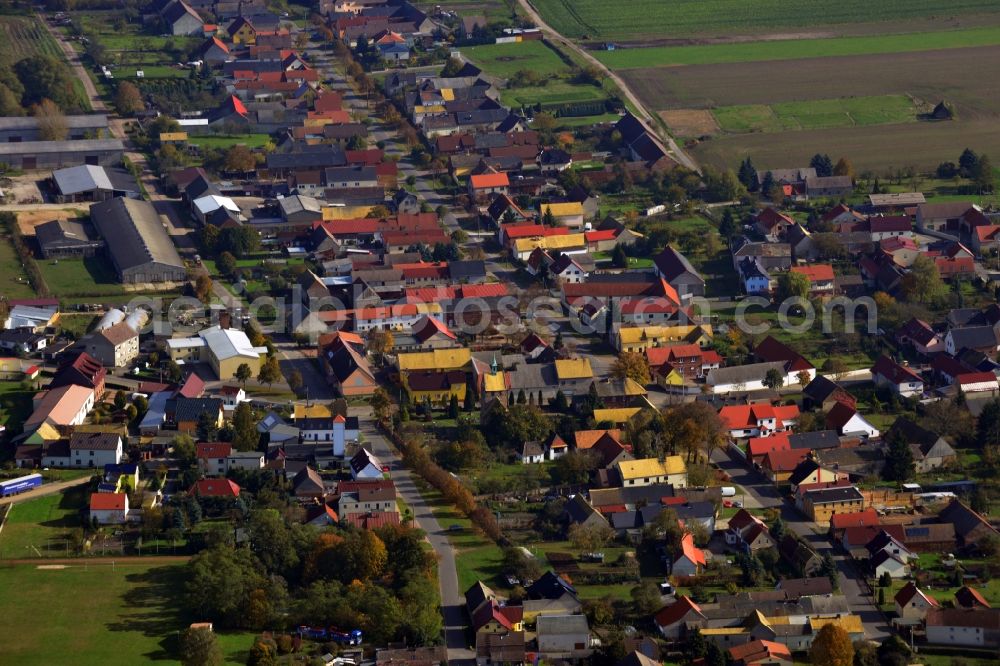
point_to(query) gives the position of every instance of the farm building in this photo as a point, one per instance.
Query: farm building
(59, 239)
(138, 245)
(18, 129)
(93, 183)
(29, 155)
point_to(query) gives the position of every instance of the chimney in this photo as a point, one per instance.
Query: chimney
(225, 319)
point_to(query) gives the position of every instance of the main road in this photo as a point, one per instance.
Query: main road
(452, 599)
(644, 116)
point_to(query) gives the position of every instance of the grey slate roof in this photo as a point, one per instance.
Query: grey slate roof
(68, 146)
(86, 177)
(89, 121)
(133, 233)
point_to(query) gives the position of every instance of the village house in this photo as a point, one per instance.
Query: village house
(898, 378)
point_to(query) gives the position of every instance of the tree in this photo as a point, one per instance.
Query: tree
(646, 597)
(832, 647)
(560, 403)
(774, 379)
(203, 287)
(844, 168)
(983, 175)
(208, 427)
(199, 647)
(748, 175)
(548, 218)
(128, 99)
(46, 77)
(239, 241)
(967, 163)
(631, 365)
(245, 435)
(380, 342)
(453, 407)
(727, 226)
(829, 569)
(226, 263)
(899, 458)
(120, 399)
(239, 158)
(263, 652)
(923, 284)
(243, 373)
(270, 371)
(590, 538)
(823, 164)
(380, 403)
(988, 426)
(295, 381)
(792, 285)
(690, 427)
(51, 121)
(619, 259)
(183, 449)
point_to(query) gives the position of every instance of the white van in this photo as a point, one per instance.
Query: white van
(728, 491)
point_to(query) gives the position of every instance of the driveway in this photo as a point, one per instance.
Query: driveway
(452, 599)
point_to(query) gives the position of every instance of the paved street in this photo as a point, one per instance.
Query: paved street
(761, 493)
(45, 489)
(452, 599)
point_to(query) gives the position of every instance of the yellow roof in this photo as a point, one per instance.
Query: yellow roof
(722, 631)
(634, 334)
(619, 415)
(574, 368)
(494, 382)
(316, 411)
(563, 209)
(649, 467)
(173, 136)
(345, 212)
(429, 108)
(633, 387)
(447, 94)
(550, 242)
(849, 623)
(47, 432)
(439, 359)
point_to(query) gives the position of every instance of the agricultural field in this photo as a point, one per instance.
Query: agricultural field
(23, 36)
(817, 114)
(493, 10)
(794, 117)
(126, 613)
(639, 20)
(796, 49)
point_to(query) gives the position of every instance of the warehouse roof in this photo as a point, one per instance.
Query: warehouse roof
(72, 122)
(69, 146)
(133, 233)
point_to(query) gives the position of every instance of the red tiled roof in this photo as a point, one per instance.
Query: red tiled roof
(107, 501)
(677, 611)
(373, 520)
(215, 488)
(515, 231)
(841, 521)
(784, 461)
(894, 372)
(815, 272)
(485, 180)
(691, 551)
(213, 449)
(976, 378)
(760, 446)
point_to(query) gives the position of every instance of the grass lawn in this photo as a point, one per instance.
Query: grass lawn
(150, 72)
(227, 141)
(585, 121)
(15, 404)
(555, 91)
(706, 54)
(76, 324)
(92, 276)
(504, 60)
(13, 280)
(97, 614)
(38, 527)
